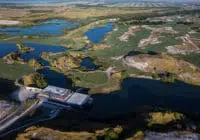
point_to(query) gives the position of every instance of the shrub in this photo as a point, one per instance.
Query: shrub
(34, 63)
(163, 118)
(155, 76)
(113, 133)
(169, 78)
(35, 80)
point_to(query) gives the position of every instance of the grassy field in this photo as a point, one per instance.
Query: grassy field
(166, 40)
(89, 80)
(14, 71)
(83, 13)
(192, 58)
(98, 16)
(118, 47)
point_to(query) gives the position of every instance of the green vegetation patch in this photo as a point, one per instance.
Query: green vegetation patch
(89, 79)
(163, 118)
(166, 40)
(13, 71)
(34, 79)
(119, 47)
(192, 58)
(34, 64)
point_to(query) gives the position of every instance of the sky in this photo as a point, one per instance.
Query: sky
(47, 1)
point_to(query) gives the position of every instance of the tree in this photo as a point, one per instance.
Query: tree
(169, 77)
(35, 79)
(155, 76)
(34, 63)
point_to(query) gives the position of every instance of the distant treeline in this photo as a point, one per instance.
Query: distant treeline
(143, 16)
(185, 22)
(144, 22)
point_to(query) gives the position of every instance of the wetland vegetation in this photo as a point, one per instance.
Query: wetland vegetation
(141, 66)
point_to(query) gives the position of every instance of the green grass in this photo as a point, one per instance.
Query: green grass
(192, 58)
(51, 40)
(166, 40)
(195, 35)
(90, 79)
(163, 118)
(119, 47)
(14, 71)
(182, 29)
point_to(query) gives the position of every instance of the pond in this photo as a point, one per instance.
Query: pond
(56, 79)
(6, 48)
(96, 34)
(88, 64)
(136, 93)
(48, 27)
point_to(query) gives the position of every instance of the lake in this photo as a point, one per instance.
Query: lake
(96, 34)
(6, 48)
(56, 79)
(136, 93)
(49, 27)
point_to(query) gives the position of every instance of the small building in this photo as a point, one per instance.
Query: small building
(66, 96)
(57, 93)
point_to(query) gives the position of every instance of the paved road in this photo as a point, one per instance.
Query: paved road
(44, 117)
(16, 117)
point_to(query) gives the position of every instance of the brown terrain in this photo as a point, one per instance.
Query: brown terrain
(65, 63)
(131, 32)
(185, 71)
(155, 36)
(47, 133)
(42, 133)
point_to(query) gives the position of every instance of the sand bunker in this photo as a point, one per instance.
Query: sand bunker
(131, 32)
(189, 46)
(155, 36)
(185, 71)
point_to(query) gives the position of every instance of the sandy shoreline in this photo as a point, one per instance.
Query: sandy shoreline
(9, 22)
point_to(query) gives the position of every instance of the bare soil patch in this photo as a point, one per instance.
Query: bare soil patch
(189, 46)
(9, 22)
(155, 36)
(185, 71)
(131, 32)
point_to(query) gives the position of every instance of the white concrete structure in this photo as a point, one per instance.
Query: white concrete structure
(65, 96)
(33, 90)
(78, 99)
(55, 90)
